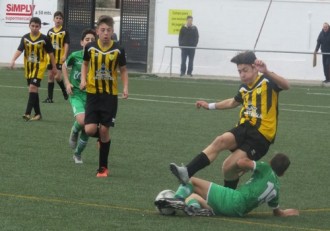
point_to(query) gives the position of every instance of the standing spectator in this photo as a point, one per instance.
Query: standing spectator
(323, 41)
(188, 37)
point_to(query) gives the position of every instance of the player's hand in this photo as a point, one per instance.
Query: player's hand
(54, 71)
(12, 65)
(125, 93)
(261, 66)
(82, 84)
(290, 212)
(203, 104)
(69, 89)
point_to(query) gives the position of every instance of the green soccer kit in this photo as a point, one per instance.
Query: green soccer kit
(262, 187)
(78, 99)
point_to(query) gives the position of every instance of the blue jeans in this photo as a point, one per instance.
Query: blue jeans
(187, 53)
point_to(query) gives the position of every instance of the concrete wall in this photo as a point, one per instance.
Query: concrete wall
(234, 24)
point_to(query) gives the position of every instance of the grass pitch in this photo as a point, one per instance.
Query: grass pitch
(42, 189)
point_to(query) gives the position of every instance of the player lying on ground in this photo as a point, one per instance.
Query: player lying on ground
(203, 198)
(256, 129)
(77, 97)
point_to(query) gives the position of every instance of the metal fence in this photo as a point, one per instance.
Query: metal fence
(237, 50)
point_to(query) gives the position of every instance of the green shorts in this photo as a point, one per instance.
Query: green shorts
(225, 201)
(78, 102)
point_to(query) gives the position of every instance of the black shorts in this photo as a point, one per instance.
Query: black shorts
(34, 81)
(58, 66)
(250, 140)
(101, 109)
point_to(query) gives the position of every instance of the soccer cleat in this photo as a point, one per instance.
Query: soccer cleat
(102, 172)
(36, 117)
(180, 172)
(77, 159)
(48, 100)
(73, 139)
(26, 117)
(193, 211)
(170, 203)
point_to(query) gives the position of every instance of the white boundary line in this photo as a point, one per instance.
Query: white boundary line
(192, 98)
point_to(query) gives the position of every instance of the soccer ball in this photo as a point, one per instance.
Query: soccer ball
(167, 193)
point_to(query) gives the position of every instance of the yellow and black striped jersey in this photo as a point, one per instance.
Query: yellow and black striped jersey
(35, 54)
(103, 64)
(58, 38)
(260, 105)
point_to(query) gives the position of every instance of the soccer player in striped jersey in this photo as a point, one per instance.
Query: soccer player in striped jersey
(102, 59)
(60, 40)
(77, 97)
(257, 125)
(35, 46)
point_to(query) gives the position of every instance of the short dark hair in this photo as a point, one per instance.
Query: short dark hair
(36, 20)
(246, 57)
(59, 13)
(280, 163)
(86, 32)
(105, 19)
(189, 17)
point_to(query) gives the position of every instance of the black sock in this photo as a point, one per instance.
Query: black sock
(231, 183)
(61, 84)
(37, 105)
(104, 154)
(198, 163)
(31, 102)
(50, 90)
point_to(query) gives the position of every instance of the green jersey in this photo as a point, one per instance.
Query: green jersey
(262, 187)
(75, 61)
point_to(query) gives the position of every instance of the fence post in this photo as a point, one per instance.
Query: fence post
(171, 61)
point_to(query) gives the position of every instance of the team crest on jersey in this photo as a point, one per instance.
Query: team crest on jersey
(111, 57)
(259, 90)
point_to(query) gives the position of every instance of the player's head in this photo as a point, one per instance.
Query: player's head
(35, 25)
(245, 66)
(87, 36)
(326, 27)
(58, 18)
(104, 28)
(280, 163)
(189, 20)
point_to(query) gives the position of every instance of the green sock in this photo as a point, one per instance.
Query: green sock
(81, 143)
(184, 191)
(193, 202)
(76, 127)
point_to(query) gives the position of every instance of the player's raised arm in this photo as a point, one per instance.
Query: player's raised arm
(224, 104)
(278, 80)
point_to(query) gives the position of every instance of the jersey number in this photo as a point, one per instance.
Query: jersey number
(268, 194)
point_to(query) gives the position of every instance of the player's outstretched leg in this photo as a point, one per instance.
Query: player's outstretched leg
(191, 210)
(173, 203)
(73, 139)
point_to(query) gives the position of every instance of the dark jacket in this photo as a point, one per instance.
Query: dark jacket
(188, 36)
(323, 41)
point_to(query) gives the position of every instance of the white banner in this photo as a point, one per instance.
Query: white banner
(16, 14)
